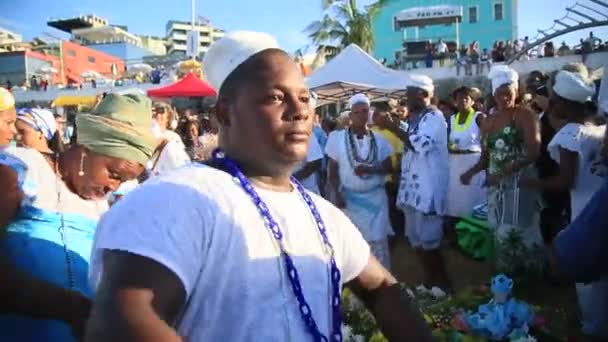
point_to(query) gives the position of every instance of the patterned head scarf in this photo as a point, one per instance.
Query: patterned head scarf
(119, 127)
(42, 120)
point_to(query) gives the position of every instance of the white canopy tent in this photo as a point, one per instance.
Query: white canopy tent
(355, 66)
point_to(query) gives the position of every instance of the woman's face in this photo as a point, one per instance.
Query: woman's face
(7, 126)
(505, 96)
(29, 137)
(102, 175)
(193, 130)
(464, 103)
(161, 116)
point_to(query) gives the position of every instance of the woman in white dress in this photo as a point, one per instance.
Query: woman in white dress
(465, 150)
(577, 148)
(171, 152)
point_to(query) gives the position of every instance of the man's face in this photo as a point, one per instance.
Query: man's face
(359, 115)
(415, 99)
(464, 102)
(270, 114)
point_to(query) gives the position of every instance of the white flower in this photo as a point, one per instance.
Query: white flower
(507, 130)
(500, 143)
(437, 293)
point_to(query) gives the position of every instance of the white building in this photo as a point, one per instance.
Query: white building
(177, 35)
(9, 40)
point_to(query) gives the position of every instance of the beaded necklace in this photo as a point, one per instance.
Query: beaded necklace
(233, 169)
(353, 152)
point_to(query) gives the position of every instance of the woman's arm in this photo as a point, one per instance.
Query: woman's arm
(529, 124)
(564, 181)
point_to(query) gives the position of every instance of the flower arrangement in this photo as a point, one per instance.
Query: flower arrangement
(444, 316)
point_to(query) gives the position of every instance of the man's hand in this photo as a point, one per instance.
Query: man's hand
(397, 315)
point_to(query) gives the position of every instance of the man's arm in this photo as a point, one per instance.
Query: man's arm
(137, 300)
(397, 315)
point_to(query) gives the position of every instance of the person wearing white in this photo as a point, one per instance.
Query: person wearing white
(465, 150)
(308, 172)
(577, 148)
(357, 170)
(424, 178)
(171, 153)
(233, 250)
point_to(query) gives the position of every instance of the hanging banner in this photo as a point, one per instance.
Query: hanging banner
(431, 15)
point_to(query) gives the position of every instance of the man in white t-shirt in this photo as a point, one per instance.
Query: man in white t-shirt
(360, 160)
(308, 172)
(233, 251)
(442, 51)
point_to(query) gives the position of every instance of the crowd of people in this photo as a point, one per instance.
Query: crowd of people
(474, 60)
(119, 236)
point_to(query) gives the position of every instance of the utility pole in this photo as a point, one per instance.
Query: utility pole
(196, 41)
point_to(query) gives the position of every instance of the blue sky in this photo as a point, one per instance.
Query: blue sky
(285, 19)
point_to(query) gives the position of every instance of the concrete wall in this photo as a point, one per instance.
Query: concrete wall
(446, 79)
(486, 30)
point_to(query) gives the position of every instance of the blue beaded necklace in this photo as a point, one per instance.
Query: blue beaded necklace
(233, 169)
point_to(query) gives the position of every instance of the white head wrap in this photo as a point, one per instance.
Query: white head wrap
(602, 99)
(344, 115)
(313, 100)
(232, 50)
(573, 87)
(501, 75)
(358, 98)
(42, 120)
(7, 101)
(421, 82)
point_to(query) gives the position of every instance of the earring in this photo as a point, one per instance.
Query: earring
(81, 171)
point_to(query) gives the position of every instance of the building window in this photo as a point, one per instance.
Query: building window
(498, 11)
(473, 14)
(91, 59)
(71, 53)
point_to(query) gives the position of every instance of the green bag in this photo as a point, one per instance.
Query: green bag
(475, 238)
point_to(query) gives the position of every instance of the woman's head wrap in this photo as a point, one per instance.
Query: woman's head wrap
(573, 87)
(501, 75)
(42, 120)
(7, 101)
(119, 127)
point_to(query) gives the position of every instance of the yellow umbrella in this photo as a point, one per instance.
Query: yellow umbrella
(67, 100)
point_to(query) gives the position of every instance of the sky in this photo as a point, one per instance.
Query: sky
(285, 19)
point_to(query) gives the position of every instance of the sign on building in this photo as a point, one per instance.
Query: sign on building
(192, 44)
(431, 15)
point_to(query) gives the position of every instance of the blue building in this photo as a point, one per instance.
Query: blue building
(129, 53)
(402, 23)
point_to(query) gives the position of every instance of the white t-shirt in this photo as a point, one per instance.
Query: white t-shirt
(586, 141)
(198, 222)
(314, 153)
(336, 148)
(442, 47)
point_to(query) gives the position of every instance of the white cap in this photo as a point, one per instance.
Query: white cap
(573, 87)
(501, 75)
(358, 98)
(232, 50)
(421, 82)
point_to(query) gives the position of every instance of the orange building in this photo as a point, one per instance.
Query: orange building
(18, 67)
(78, 59)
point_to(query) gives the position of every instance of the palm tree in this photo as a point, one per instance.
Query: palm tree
(343, 24)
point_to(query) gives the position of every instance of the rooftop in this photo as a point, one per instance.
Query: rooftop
(80, 22)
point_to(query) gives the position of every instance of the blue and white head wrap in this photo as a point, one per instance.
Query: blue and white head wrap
(42, 120)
